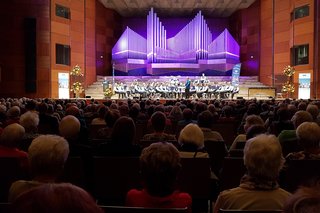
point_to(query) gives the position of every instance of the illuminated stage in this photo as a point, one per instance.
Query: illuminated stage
(191, 52)
(145, 63)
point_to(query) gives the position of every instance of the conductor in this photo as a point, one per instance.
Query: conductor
(187, 89)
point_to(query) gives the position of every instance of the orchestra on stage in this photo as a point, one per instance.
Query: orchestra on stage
(174, 89)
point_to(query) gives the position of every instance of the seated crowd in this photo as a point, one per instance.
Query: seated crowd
(43, 133)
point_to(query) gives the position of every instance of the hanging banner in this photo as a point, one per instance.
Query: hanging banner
(304, 85)
(63, 79)
(236, 75)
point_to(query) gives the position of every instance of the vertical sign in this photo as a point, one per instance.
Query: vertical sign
(235, 75)
(63, 79)
(304, 86)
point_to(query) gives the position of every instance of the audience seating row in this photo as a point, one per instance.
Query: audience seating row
(109, 178)
(113, 177)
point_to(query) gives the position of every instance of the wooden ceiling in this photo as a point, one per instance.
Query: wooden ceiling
(176, 8)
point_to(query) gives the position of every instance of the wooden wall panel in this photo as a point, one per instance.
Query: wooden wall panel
(245, 28)
(12, 43)
(108, 26)
(90, 52)
(266, 66)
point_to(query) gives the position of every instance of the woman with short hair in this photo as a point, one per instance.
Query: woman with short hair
(159, 164)
(258, 188)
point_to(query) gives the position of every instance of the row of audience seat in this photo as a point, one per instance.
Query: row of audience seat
(109, 182)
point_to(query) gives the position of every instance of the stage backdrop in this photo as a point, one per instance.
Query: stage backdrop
(193, 50)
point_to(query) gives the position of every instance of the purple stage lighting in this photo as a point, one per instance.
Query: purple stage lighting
(191, 45)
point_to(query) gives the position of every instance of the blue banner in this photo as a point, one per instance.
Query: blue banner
(235, 75)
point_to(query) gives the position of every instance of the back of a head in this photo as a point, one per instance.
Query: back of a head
(192, 135)
(158, 120)
(11, 135)
(118, 136)
(13, 112)
(47, 155)
(187, 114)
(31, 105)
(69, 127)
(29, 120)
(227, 111)
(304, 200)
(302, 106)
(253, 120)
(301, 116)
(160, 163)
(43, 108)
(205, 119)
(313, 110)
(52, 198)
(124, 110)
(283, 114)
(308, 134)
(111, 117)
(73, 110)
(263, 157)
(102, 110)
(255, 130)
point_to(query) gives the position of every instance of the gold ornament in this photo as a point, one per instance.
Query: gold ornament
(108, 92)
(77, 87)
(289, 71)
(288, 87)
(76, 71)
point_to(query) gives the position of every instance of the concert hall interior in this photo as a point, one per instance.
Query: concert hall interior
(200, 106)
(130, 48)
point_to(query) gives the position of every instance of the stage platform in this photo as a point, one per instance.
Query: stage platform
(249, 86)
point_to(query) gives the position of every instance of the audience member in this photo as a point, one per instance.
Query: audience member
(13, 116)
(158, 121)
(255, 130)
(304, 200)
(53, 198)
(30, 121)
(160, 164)
(314, 111)
(259, 188)
(186, 118)
(298, 118)
(308, 134)
(191, 140)
(102, 110)
(9, 140)
(175, 114)
(250, 121)
(76, 112)
(205, 122)
(122, 144)
(47, 156)
(110, 118)
(47, 124)
(70, 129)
(282, 123)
